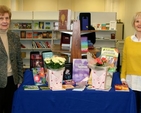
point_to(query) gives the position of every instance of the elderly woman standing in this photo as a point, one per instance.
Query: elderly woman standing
(10, 61)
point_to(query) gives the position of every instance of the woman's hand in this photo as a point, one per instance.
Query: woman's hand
(124, 82)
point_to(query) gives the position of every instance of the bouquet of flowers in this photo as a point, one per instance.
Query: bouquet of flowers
(101, 61)
(55, 62)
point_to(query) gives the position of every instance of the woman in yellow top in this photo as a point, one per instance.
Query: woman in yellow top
(131, 62)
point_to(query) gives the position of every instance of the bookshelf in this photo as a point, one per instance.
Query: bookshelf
(47, 19)
(36, 31)
(75, 52)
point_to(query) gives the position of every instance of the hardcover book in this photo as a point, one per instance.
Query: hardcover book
(39, 76)
(66, 41)
(80, 70)
(64, 19)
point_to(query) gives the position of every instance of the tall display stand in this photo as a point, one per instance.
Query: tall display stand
(76, 41)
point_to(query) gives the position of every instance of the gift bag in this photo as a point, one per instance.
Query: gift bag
(99, 75)
(55, 78)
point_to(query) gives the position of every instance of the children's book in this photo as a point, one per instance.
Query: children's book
(31, 87)
(80, 70)
(111, 55)
(39, 76)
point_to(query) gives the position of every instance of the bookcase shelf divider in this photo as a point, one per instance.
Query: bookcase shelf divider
(76, 41)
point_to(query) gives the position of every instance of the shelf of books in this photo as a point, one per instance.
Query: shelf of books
(38, 30)
(35, 31)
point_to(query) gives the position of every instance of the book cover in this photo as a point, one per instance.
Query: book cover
(35, 34)
(68, 86)
(49, 34)
(41, 25)
(36, 60)
(84, 44)
(44, 87)
(113, 25)
(65, 41)
(111, 55)
(47, 25)
(64, 19)
(85, 20)
(29, 35)
(121, 87)
(16, 25)
(23, 34)
(80, 70)
(67, 75)
(39, 76)
(36, 25)
(30, 87)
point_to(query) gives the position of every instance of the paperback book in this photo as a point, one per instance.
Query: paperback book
(121, 87)
(80, 70)
(111, 55)
(31, 87)
(47, 25)
(39, 76)
(44, 87)
(36, 60)
(67, 75)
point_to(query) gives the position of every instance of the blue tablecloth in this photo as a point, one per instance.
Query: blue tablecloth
(87, 101)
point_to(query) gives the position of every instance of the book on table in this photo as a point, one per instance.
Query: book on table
(80, 71)
(39, 76)
(30, 87)
(121, 87)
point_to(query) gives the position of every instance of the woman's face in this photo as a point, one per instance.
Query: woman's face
(137, 24)
(4, 21)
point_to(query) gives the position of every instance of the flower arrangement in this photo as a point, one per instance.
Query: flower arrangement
(101, 61)
(55, 62)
